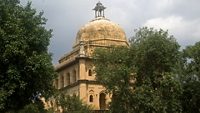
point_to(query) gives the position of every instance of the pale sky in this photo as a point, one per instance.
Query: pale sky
(180, 17)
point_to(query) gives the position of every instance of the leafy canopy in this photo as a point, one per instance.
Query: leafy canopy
(191, 79)
(71, 104)
(142, 77)
(25, 64)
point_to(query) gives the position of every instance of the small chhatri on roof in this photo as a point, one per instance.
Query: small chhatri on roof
(99, 10)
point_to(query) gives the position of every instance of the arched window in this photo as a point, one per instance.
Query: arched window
(56, 83)
(62, 81)
(89, 72)
(91, 98)
(68, 79)
(74, 75)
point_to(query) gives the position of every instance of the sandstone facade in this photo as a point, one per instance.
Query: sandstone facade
(76, 70)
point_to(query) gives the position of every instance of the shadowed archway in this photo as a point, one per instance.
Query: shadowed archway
(102, 101)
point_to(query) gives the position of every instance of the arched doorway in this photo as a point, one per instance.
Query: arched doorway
(102, 101)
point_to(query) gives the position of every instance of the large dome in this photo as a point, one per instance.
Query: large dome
(100, 32)
(101, 29)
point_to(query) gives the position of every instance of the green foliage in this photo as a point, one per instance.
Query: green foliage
(191, 81)
(192, 58)
(25, 64)
(113, 64)
(34, 108)
(155, 53)
(157, 59)
(72, 104)
(31, 108)
(114, 67)
(143, 77)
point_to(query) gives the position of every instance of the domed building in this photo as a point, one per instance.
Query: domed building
(76, 70)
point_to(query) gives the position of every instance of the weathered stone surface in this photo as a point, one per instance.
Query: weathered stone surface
(100, 28)
(98, 32)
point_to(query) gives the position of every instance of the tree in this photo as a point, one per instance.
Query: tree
(143, 77)
(158, 63)
(191, 79)
(71, 104)
(114, 67)
(25, 64)
(36, 107)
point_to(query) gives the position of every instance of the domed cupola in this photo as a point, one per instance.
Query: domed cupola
(101, 31)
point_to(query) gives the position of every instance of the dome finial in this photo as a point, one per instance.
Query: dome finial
(99, 10)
